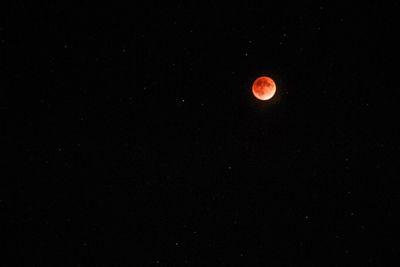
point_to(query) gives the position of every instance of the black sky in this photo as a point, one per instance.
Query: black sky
(141, 142)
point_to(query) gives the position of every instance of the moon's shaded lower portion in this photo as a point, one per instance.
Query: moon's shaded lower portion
(264, 88)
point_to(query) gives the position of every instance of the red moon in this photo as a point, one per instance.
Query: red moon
(264, 88)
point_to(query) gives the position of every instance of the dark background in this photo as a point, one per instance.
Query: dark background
(141, 143)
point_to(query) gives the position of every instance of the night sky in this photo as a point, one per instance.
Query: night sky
(140, 142)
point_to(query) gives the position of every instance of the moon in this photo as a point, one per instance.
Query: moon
(264, 88)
